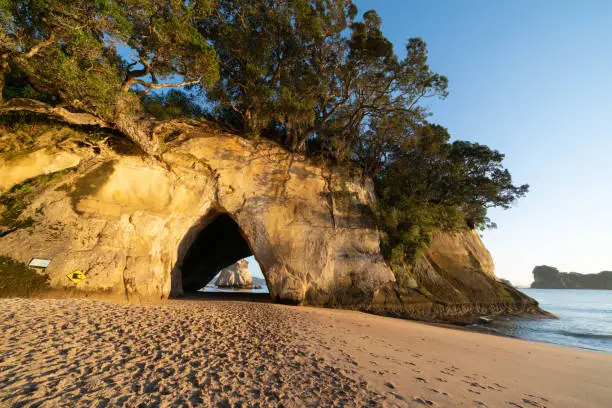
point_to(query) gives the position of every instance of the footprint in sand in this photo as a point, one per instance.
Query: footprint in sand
(423, 401)
(532, 403)
(536, 396)
(398, 396)
(474, 384)
(390, 385)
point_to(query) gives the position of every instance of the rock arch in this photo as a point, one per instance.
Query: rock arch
(132, 224)
(136, 227)
(217, 243)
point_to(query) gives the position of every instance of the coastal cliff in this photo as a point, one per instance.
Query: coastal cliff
(141, 228)
(547, 277)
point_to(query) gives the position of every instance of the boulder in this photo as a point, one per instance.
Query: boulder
(235, 276)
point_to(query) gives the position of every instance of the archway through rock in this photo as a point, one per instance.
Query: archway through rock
(259, 283)
(219, 244)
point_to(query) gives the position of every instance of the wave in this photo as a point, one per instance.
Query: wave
(584, 335)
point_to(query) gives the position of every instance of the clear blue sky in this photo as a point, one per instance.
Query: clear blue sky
(254, 268)
(533, 79)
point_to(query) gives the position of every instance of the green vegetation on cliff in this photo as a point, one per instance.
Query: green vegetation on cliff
(315, 76)
(14, 202)
(16, 279)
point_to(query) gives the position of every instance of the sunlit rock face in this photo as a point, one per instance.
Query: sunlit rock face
(454, 280)
(143, 228)
(235, 276)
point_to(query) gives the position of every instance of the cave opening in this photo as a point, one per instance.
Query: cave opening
(218, 245)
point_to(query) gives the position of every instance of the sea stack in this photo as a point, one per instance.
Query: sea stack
(236, 276)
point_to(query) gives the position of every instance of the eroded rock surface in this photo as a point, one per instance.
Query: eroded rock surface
(454, 279)
(34, 164)
(235, 276)
(147, 228)
(129, 222)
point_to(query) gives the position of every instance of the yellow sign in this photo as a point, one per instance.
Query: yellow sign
(76, 276)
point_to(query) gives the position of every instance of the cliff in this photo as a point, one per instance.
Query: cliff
(547, 277)
(235, 276)
(143, 228)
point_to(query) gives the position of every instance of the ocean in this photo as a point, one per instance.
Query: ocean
(585, 319)
(214, 289)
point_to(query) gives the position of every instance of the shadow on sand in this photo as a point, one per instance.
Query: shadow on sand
(233, 296)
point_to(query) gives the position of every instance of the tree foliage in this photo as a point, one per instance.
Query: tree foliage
(69, 50)
(314, 75)
(431, 184)
(290, 66)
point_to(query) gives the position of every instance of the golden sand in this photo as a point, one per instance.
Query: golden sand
(92, 353)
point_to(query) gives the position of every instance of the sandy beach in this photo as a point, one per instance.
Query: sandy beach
(74, 353)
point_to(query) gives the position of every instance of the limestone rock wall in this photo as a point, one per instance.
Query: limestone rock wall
(453, 280)
(127, 222)
(130, 223)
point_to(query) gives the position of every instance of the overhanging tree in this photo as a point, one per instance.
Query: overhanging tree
(310, 74)
(69, 50)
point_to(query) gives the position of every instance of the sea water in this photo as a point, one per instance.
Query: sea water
(584, 319)
(214, 289)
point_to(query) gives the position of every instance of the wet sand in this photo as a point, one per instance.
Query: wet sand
(74, 353)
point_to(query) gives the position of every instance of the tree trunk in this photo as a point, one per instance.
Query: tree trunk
(137, 128)
(1, 86)
(4, 69)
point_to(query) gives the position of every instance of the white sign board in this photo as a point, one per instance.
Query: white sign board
(39, 263)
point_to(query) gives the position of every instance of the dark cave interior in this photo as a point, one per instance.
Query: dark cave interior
(217, 246)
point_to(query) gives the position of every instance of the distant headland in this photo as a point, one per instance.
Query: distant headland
(547, 277)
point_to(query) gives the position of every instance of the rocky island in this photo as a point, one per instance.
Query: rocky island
(547, 277)
(235, 276)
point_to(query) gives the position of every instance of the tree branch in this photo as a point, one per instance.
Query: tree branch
(56, 112)
(151, 85)
(34, 50)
